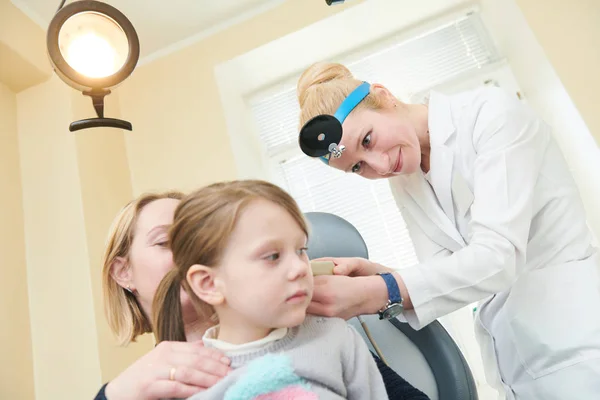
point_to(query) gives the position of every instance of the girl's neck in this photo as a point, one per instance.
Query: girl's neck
(238, 330)
(195, 330)
(194, 327)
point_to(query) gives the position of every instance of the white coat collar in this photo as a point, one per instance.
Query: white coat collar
(417, 196)
(441, 125)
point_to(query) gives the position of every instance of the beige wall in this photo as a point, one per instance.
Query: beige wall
(180, 138)
(23, 59)
(569, 33)
(73, 186)
(16, 368)
(63, 327)
(105, 187)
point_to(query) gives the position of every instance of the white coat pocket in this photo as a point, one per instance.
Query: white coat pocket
(552, 316)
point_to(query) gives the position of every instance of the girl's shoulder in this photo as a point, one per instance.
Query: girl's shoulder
(323, 326)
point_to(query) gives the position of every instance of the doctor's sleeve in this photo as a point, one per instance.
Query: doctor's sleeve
(510, 143)
(426, 250)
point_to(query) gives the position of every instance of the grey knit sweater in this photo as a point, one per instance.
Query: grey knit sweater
(324, 358)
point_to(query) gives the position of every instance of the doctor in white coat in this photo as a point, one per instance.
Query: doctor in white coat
(494, 216)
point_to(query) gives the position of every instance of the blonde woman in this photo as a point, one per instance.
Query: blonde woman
(135, 261)
(494, 216)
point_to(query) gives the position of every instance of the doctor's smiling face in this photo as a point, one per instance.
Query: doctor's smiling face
(383, 142)
(382, 136)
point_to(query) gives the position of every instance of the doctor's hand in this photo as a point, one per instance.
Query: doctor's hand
(354, 266)
(347, 296)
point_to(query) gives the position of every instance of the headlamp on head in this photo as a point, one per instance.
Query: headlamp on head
(321, 136)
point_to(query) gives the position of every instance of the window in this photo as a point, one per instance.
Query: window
(408, 68)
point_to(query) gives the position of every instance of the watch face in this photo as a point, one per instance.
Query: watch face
(392, 311)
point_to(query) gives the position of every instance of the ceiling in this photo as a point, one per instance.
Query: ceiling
(163, 25)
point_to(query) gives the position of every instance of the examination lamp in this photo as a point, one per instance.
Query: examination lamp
(92, 47)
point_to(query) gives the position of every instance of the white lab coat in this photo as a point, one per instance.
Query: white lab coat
(498, 219)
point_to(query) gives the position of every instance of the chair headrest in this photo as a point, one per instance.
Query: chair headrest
(333, 236)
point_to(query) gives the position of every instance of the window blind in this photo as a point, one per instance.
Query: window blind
(406, 67)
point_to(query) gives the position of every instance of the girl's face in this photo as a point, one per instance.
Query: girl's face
(264, 278)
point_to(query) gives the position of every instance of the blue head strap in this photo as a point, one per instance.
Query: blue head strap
(349, 104)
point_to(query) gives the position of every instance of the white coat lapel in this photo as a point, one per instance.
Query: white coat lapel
(441, 163)
(441, 129)
(436, 220)
(427, 212)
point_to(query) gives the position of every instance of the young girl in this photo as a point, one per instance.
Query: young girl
(240, 253)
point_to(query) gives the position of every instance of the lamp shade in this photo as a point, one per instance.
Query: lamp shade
(92, 45)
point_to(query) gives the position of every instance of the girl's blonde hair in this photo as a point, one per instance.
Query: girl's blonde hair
(123, 312)
(322, 88)
(204, 221)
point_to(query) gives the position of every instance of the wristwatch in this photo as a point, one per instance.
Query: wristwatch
(394, 305)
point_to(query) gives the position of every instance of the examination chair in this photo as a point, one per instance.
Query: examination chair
(429, 359)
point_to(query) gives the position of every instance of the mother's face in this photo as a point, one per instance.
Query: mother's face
(150, 257)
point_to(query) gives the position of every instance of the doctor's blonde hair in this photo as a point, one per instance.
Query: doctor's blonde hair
(322, 88)
(202, 226)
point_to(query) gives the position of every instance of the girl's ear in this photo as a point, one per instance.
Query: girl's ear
(202, 282)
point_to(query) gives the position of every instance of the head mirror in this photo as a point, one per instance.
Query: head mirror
(321, 136)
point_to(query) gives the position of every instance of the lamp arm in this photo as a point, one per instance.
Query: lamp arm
(97, 96)
(62, 3)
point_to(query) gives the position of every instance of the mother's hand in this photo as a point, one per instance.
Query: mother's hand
(171, 369)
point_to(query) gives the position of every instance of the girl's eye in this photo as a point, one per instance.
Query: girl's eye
(302, 251)
(356, 167)
(367, 140)
(272, 257)
(162, 244)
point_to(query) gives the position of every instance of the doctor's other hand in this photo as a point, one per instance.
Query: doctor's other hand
(354, 266)
(169, 370)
